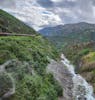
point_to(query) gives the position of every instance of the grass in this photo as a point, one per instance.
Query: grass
(89, 57)
(35, 52)
(30, 56)
(83, 57)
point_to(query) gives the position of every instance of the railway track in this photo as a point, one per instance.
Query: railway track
(10, 34)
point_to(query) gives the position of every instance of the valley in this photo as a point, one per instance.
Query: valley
(31, 67)
(77, 42)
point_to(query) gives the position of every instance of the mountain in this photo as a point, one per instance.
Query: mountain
(77, 42)
(67, 29)
(23, 61)
(70, 33)
(9, 23)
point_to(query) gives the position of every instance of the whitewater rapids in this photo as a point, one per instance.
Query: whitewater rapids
(81, 89)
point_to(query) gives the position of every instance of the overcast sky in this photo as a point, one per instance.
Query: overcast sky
(42, 13)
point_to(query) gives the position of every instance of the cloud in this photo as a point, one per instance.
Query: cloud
(45, 3)
(7, 3)
(71, 11)
(56, 1)
(41, 13)
(32, 13)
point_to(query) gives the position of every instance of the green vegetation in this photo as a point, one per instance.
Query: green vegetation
(75, 52)
(71, 34)
(89, 57)
(77, 42)
(5, 83)
(31, 49)
(35, 52)
(29, 57)
(83, 56)
(9, 23)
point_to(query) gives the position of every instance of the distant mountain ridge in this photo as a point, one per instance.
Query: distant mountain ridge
(67, 29)
(77, 42)
(64, 35)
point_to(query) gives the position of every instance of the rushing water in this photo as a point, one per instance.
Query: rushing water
(81, 89)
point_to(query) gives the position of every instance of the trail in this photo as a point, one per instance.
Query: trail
(11, 90)
(10, 34)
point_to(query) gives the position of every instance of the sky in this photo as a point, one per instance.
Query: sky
(44, 13)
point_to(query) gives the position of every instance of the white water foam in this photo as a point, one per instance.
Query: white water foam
(81, 89)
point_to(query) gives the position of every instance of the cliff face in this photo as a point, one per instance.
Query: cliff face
(64, 77)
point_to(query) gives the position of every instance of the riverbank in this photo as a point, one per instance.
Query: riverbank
(81, 89)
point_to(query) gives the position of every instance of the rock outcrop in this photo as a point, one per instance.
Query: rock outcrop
(63, 76)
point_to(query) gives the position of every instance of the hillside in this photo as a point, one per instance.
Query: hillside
(67, 29)
(83, 57)
(77, 42)
(23, 62)
(10, 24)
(70, 33)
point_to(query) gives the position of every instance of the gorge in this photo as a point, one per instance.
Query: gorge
(31, 67)
(81, 89)
(74, 85)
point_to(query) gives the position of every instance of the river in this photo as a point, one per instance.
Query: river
(81, 89)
